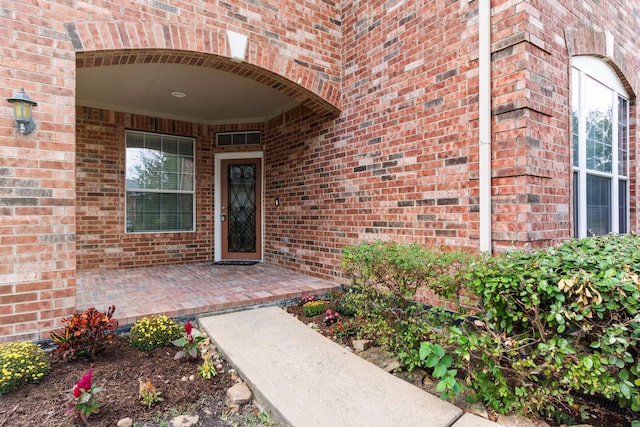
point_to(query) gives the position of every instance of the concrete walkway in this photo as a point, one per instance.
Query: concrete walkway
(304, 379)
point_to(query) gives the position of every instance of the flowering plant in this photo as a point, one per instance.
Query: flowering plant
(330, 318)
(154, 331)
(148, 394)
(21, 363)
(344, 330)
(82, 400)
(189, 342)
(306, 298)
(313, 308)
(208, 369)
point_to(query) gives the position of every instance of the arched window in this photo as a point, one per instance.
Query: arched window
(600, 136)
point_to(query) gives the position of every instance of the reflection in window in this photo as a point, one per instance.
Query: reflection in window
(600, 135)
(159, 183)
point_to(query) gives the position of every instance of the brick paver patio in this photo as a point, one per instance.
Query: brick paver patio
(190, 289)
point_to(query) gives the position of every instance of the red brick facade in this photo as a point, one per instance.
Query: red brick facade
(383, 146)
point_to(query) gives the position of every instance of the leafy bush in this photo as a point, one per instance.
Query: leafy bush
(547, 322)
(21, 363)
(346, 304)
(154, 331)
(560, 319)
(86, 333)
(313, 308)
(385, 278)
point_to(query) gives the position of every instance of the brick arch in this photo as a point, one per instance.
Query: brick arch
(585, 41)
(115, 43)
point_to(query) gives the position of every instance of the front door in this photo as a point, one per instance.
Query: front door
(241, 209)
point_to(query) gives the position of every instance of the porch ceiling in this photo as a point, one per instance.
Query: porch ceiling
(212, 96)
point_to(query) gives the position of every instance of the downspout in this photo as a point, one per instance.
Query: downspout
(484, 122)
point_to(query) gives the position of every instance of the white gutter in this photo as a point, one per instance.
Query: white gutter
(484, 122)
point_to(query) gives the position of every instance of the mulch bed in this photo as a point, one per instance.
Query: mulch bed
(118, 369)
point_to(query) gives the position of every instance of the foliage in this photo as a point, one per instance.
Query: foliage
(313, 308)
(208, 368)
(189, 342)
(400, 269)
(21, 363)
(346, 304)
(385, 278)
(85, 333)
(344, 330)
(82, 398)
(433, 356)
(546, 322)
(560, 319)
(154, 331)
(148, 393)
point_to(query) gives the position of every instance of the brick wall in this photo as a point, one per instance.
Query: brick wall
(400, 161)
(40, 41)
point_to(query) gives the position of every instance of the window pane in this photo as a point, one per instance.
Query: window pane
(575, 117)
(598, 205)
(159, 168)
(253, 138)
(186, 147)
(159, 212)
(623, 136)
(622, 207)
(599, 110)
(224, 139)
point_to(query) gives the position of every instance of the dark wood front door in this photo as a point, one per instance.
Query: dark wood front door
(241, 209)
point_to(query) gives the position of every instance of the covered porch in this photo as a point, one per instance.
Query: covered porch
(191, 289)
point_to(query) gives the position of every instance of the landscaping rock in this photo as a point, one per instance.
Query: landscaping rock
(239, 394)
(125, 422)
(381, 358)
(414, 377)
(362, 345)
(518, 421)
(185, 421)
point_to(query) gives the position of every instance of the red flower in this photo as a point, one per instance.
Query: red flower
(84, 383)
(76, 391)
(188, 328)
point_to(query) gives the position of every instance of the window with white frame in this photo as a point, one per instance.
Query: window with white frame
(160, 183)
(600, 136)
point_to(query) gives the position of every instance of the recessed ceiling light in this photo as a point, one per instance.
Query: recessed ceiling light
(178, 94)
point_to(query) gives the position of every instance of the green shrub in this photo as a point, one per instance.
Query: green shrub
(572, 314)
(547, 322)
(385, 277)
(346, 304)
(21, 363)
(313, 308)
(86, 333)
(154, 331)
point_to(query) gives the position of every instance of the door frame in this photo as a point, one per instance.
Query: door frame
(217, 196)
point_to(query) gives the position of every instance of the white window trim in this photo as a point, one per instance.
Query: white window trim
(194, 191)
(599, 71)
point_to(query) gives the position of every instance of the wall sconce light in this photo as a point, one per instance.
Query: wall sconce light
(22, 108)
